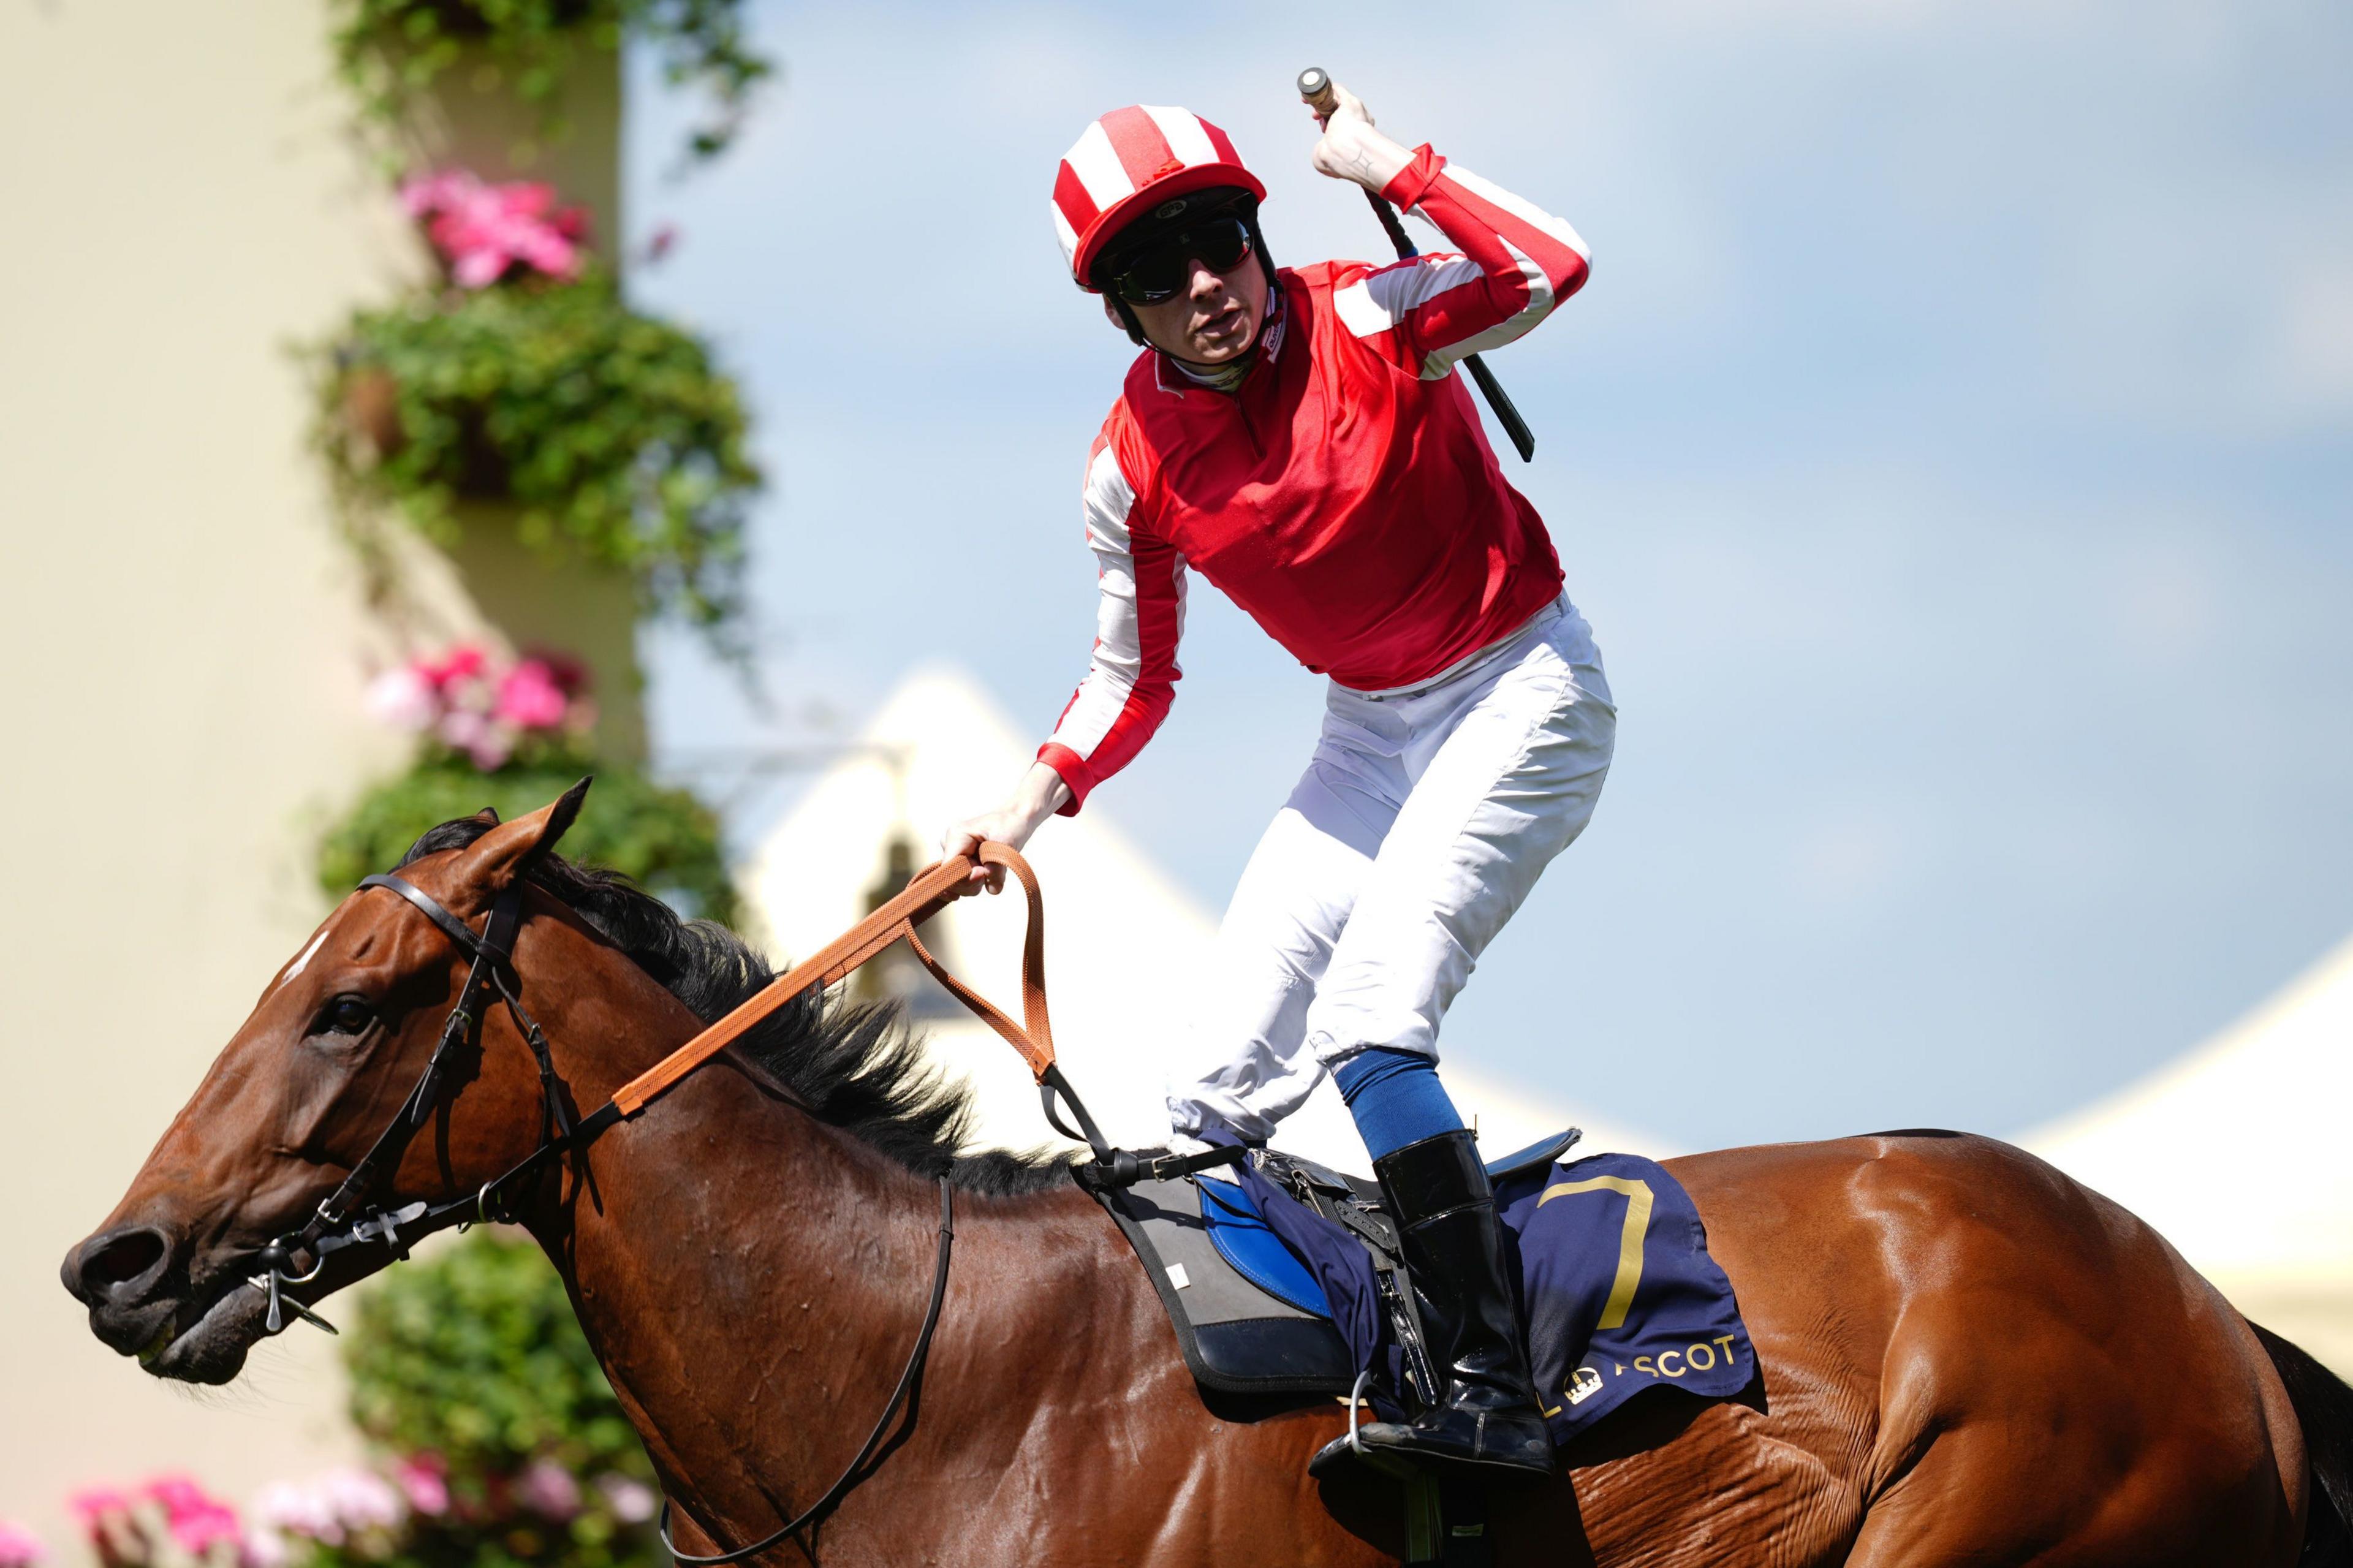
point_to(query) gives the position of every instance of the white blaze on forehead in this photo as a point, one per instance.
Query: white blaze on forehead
(295, 968)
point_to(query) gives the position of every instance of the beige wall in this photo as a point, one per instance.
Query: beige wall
(181, 653)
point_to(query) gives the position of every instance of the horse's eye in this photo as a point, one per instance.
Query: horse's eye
(346, 1015)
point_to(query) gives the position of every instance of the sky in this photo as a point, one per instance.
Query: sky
(1952, 451)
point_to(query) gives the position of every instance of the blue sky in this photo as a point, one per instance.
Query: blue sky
(1952, 451)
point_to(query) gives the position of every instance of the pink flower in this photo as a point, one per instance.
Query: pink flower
(632, 1501)
(404, 698)
(265, 1549)
(484, 230)
(19, 1547)
(197, 1521)
(570, 675)
(548, 1489)
(425, 1481)
(463, 661)
(464, 729)
(362, 1498)
(297, 1509)
(94, 1503)
(531, 696)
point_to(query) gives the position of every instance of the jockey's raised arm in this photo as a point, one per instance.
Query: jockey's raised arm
(1514, 263)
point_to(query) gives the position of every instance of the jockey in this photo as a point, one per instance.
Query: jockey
(1297, 436)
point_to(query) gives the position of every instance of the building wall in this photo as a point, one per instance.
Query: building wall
(182, 652)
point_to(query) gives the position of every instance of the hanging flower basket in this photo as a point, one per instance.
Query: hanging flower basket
(514, 736)
(612, 434)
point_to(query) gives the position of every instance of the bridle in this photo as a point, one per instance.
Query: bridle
(352, 1215)
(348, 1216)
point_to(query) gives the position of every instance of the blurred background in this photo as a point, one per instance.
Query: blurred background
(410, 404)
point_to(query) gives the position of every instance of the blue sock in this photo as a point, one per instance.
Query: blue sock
(1396, 1097)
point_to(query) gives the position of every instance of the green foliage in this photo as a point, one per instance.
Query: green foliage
(664, 838)
(388, 51)
(612, 432)
(471, 1355)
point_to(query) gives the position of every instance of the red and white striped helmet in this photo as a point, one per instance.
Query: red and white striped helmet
(1130, 162)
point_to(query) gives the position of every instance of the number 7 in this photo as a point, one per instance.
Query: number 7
(1630, 1240)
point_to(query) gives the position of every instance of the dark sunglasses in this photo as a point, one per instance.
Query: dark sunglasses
(1161, 269)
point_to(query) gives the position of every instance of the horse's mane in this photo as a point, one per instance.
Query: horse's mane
(857, 1066)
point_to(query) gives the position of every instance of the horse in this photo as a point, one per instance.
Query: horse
(1965, 1357)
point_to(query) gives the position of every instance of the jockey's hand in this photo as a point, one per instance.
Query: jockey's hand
(1350, 149)
(1040, 795)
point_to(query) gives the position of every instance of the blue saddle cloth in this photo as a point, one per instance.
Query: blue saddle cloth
(1616, 1286)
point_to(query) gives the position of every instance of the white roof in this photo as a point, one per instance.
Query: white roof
(2237, 1150)
(1121, 939)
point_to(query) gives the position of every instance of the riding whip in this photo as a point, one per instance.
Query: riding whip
(1315, 92)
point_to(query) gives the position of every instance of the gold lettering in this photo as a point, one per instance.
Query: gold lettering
(1725, 1341)
(1696, 1352)
(1666, 1371)
(1642, 1364)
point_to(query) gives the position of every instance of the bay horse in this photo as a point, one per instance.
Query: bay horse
(1965, 1357)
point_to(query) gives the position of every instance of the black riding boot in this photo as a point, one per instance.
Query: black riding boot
(1488, 1421)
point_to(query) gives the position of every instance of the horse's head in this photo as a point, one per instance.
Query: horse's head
(335, 1046)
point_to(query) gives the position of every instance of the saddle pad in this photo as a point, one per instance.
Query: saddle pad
(1620, 1292)
(1616, 1286)
(1237, 1336)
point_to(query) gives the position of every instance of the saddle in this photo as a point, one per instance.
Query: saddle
(1250, 1316)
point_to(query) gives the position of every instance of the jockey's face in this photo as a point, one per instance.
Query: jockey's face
(1214, 318)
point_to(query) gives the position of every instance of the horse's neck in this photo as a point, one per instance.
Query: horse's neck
(739, 1267)
(753, 1281)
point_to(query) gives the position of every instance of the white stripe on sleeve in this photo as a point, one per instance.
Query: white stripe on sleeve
(1528, 212)
(1374, 304)
(1511, 328)
(1107, 499)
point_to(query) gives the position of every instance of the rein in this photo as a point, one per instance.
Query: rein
(347, 1218)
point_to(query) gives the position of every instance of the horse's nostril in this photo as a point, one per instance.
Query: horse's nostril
(123, 1258)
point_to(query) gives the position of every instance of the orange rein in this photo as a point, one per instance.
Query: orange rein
(931, 890)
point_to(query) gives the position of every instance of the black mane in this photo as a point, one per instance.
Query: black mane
(857, 1066)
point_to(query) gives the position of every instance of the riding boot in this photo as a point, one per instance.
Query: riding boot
(1487, 1421)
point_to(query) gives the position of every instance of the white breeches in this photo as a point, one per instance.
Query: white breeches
(1421, 825)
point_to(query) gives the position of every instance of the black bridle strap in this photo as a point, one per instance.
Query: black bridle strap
(850, 1476)
(458, 1031)
(456, 930)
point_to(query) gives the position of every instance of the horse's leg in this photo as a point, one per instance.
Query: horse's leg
(1987, 1493)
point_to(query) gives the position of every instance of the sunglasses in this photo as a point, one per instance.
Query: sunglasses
(1161, 270)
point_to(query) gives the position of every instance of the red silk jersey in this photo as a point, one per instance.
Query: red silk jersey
(1344, 494)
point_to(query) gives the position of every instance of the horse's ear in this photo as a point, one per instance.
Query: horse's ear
(509, 851)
